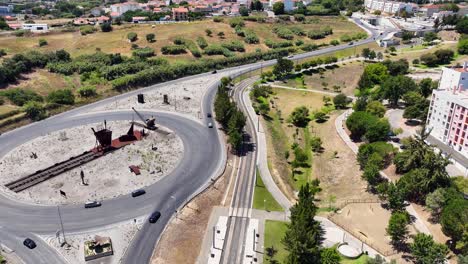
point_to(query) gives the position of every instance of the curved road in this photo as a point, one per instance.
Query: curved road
(203, 157)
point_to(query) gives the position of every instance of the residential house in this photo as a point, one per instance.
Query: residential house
(37, 28)
(180, 13)
(120, 9)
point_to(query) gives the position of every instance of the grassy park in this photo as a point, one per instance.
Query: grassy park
(274, 233)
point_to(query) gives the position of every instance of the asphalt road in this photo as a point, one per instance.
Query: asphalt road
(203, 155)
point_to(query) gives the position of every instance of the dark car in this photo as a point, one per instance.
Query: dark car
(208, 115)
(138, 192)
(215, 71)
(29, 243)
(154, 217)
(92, 204)
(351, 43)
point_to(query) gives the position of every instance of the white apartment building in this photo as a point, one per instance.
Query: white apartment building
(389, 7)
(448, 115)
(120, 9)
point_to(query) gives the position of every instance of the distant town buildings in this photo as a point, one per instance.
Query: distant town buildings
(120, 9)
(390, 7)
(6, 10)
(448, 111)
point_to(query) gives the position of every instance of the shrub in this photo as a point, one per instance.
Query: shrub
(2, 53)
(218, 19)
(283, 32)
(106, 27)
(85, 30)
(87, 91)
(278, 44)
(150, 37)
(20, 96)
(42, 42)
(309, 47)
(340, 101)
(143, 53)
(34, 110)
(202, 42)
(334, 42)
(65, 97)
(179, 40)
(173, 49)
(216, 49)
(233, 22)
(132, 36)
(234, 45)
(251, 37)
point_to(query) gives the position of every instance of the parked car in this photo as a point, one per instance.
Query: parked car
(138, 192)
(154, 217)
(92, 204)
(29, 243)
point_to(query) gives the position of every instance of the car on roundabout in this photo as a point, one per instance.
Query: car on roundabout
(29, 243)
(154, 217)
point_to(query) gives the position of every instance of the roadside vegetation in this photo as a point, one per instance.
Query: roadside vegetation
(263, 200)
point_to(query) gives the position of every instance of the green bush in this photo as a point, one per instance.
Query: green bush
(20, 96)
(283, 32)
(143, 53)
(251, 37)
(150, 37)
(87, 91)
(234, 45)
(309, 47)
(132, 36)
(233, 22)
(216, 49)
(85, 30)
(173, 49)
(42, 42)
(218, 19)
(202, 42)
(64, 97)
(34, 110)
(273, 44)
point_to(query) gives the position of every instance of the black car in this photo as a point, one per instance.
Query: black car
(214, 72)
(154, 217)
(92, 204)
(208, 115)
(351, 43)
(29, 243)
(138, 192)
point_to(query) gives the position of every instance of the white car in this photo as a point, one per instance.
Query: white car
(210, 125)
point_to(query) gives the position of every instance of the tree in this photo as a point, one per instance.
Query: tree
(106, 27)
(426, 86)
(132, 36)
(435, 201)
(376, 73)
(377, 130)
(371, 174)
(358, 123)
(395, 197)
(429, 59)
(397, 228)
(150, 37)
(304, 235)
(243, 11)
(444, 56)
(208, 32)
(326, 100)
(283, 67)
(330, 256)
(365, 52)
(340, 101)
(425, 250)
(42, 42)
(376, 108)
(462, 26)
(34, 110)
(398, 67)
(278, 8)
(300, 116)
(235, 139)
(430, 36)
(463, 46)
(394, 88)
(454, 221)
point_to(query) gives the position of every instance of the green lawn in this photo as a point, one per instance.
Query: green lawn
(361, 260)
(274, 232)
(263, 199)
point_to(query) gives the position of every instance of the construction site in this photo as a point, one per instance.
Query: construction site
(90, 162)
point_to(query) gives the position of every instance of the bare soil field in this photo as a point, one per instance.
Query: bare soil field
(106, 177)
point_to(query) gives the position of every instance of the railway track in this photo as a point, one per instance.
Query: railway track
(52, 171)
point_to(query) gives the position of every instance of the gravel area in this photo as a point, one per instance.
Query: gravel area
(184, 97)
(120, 234)
(106, 177)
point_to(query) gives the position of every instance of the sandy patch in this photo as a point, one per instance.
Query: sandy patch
(184, 97)
(107, 176)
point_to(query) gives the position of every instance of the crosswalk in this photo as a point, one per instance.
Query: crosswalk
(240, 212)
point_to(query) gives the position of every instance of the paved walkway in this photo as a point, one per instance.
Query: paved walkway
(339, 125)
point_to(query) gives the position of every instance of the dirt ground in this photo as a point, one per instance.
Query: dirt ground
(114, 176)
(338, 176)
(182, 240)
(368, 221)
(332, 77)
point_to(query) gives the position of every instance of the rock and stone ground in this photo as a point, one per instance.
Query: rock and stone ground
(106, 177)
